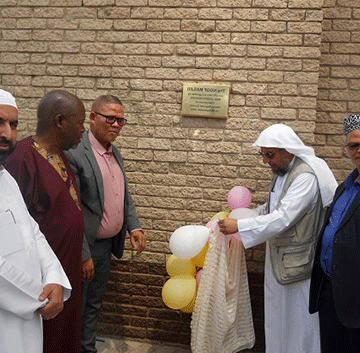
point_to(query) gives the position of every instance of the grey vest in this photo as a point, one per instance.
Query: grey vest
(292, 251)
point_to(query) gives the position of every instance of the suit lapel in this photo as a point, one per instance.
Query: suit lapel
(89, 154)
(338, 192)
(354, 205)
(118, 158)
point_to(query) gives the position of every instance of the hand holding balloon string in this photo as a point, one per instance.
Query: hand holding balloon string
(228, 226)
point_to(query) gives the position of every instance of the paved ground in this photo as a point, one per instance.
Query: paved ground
(109, 345)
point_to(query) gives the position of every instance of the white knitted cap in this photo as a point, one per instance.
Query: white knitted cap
(6, 98)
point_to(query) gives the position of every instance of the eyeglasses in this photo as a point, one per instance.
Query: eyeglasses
(110, 119)
(353, 146)
(269, 155)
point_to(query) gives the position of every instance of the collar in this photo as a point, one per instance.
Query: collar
(350, 179)
(99, 148)
(291, 164)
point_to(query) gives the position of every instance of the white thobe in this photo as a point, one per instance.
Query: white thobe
(289, 328)
(27, 264)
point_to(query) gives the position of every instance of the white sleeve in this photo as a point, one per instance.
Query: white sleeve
(19, 292)
(299, 199)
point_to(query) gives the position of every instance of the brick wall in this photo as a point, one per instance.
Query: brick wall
(339, 82)
(180, 169)
(284, 62)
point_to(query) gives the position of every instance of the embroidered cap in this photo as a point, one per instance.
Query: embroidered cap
(351, 123)
(6, 98)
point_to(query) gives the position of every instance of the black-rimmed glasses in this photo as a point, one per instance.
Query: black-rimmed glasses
(110, 119)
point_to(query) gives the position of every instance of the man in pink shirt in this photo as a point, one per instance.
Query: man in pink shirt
(109, 211)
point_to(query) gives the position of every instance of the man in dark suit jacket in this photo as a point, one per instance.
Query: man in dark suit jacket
(335, 281)
(108, 208)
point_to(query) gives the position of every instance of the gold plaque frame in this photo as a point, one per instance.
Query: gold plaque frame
(205, 100)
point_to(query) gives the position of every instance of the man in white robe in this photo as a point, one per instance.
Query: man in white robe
(288, 325)
(32, 281)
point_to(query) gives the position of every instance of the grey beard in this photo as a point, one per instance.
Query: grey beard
(282, 171)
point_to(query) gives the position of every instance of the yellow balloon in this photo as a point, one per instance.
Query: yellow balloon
(176, 266)
(199, 259)
(221, 215)
(178, 291)
(190, 307)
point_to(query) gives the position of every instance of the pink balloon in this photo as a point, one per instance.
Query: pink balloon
(198, 275)
(239, 197)
(241, 213)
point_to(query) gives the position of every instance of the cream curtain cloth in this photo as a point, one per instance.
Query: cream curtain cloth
(222, 318)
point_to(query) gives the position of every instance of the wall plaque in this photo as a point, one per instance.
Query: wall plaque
(205, 100)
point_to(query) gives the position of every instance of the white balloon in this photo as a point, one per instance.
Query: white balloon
(240, 213)
(187, 241)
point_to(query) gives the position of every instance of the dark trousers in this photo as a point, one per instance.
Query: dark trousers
(93, 293)
(334, 336)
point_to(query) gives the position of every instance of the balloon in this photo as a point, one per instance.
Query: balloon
(179, 291)
(187, 241)
(239, 197)
(190, 307)
(241, 213)
(199, 259)
(198, 275)
(176, 266)
(221, 215)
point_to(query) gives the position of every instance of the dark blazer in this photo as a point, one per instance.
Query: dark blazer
(345, 265)
(88, 177)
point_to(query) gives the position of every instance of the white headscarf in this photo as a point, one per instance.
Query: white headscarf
(283, 136)
(6, 98)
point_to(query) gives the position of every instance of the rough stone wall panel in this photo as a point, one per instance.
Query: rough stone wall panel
(338, 96)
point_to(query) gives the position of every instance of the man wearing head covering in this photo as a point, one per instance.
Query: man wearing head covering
(302, 186)
(335, 285)
(49, 189)
(32, 281)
